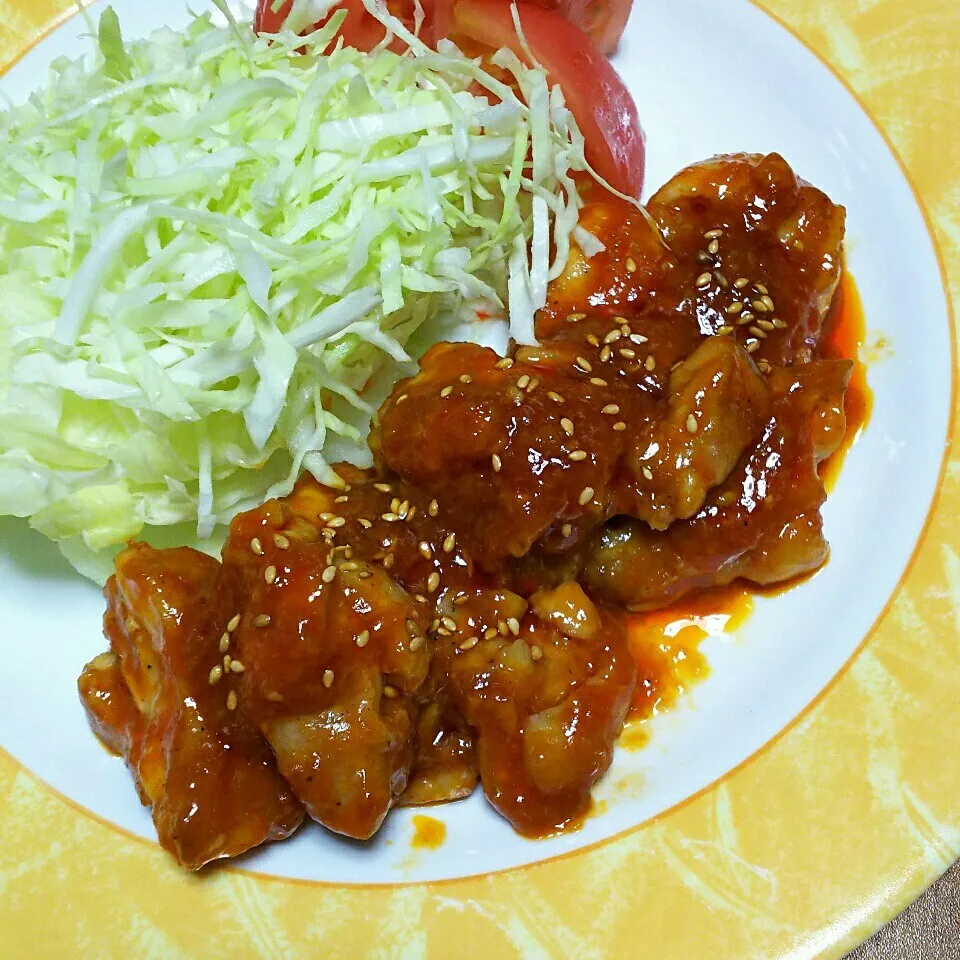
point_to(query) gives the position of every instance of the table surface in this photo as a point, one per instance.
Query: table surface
(927, 930)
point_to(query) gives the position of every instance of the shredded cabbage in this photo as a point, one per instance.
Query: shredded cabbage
(221, 250)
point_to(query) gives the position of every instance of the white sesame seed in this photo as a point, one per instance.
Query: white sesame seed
(647, 473)
(714, 247)
(215, 674)
(536, 652)
(574, 317)
(256, 546)
(713, 234)
(336, 523)
(734, 308)
(383, 487)
(612, 337)
(523, 380)
(425, 549)
(449, 623)
(505, 364)
(343, 498)
(619, 426)
(227, 660)
(233, 623)
(638, 338)
(270, 574)
(366, 524)
(567, 426)
(497, 463)
(566, 529)
(281, 542)
(598, 381)
(224, 644)
(389, 691)
(611, 409)
(328, 678)
(262, 620)
(753, 346)
(433, 581)
(761, 289)
(630, 264)
(446, 391)
(586, 495)
(389, 517)
(779, 324)
(555, 397)
(434, 508)
(605, 354)
(592, 340)
(650, 364)
(628, 353)
(513, 625)
(469, 643)
(363, 638)
(759, 306)
(584, 364)
(691, 423)
(236, 666)
(465, 378)
(449, 543)
(232, 700)
(416, 643)
(740, 283)
(328, 574)
(577, 455)
(703, 280)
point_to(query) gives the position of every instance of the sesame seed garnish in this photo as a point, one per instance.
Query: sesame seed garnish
(449, 623)
(425, 549)
(554, 396)
(236, 666)
(446, 391)
(567, 426)
(704, 257)
(388, 561)
(586, 495)
(400, 399)
(714, 247)
(759, 306)
(523, 381)
(724, 330)
(328, 574)
(605, 354)
(328, 678)
(505, 364)
(390, 692)
(577, 455)
(363, 638)
(612, 337)
(574, 317)
(598, 381)
(753, 346)
(628, 353)
(383, 487)
(592, 340)
(638, 338)
(745, 318)
(734, 308)
(536, 652)
(703, 280)
(768, 302)
(233, 623)
(502, 628)
(412, 629)
(469, 643)
(465, 378)
(256, 546)
(760, 288)
(433, 581)
(721, 279)
(779, 324)
(336, 523)
(434, 508)
(281, 542)
(758, 333)
(766, 325)
(513, 625)
(416, 643)
(497, 463)
(691, 423)
(630, 264)
(365, 523)
(215, 674)
(395, 505)
(611, 409)
(449, 543)
(227, 660)
(489, 633)
(224, 644)
(584, 364)
(343, 498)
(534, 383)
(566, 529)
(262, 620)
(460, 598)
(270, 574)
(619, 426)
(232, 700)
(625, 328)
(389, 516)
(647, 472)
(650, 364)
(714, 234)
(349, 566)
(740, 283)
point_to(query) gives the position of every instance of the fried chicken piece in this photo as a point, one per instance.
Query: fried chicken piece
(763, 524)
(546, 693)
(207, 773)
(333, 654)
(760, 248)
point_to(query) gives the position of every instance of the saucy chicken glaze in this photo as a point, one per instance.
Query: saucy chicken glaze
(455, 615)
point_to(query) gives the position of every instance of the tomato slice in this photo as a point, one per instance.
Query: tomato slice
(603, 21)
(595, 94)
(359, 30)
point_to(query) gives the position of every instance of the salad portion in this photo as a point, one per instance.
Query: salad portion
(223, 248)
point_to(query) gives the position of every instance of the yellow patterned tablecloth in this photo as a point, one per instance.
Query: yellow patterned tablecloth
(800, 852)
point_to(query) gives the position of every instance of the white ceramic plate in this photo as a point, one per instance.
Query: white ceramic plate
(698, 88)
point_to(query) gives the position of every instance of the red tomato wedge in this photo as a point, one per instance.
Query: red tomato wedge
(359, 30)
(594, 92)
